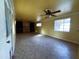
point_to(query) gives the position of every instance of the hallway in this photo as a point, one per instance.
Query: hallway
(37, 46)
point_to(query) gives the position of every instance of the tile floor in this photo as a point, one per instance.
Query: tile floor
(37, 46)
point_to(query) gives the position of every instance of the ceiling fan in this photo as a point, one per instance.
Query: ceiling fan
(49, 12)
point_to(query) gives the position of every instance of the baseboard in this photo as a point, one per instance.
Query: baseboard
(74, 42)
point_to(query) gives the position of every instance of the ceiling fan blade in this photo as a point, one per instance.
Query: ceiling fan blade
(56, 11)
(45, 11)
(54, 15)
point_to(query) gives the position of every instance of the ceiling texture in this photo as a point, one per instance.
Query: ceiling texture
(30, 9)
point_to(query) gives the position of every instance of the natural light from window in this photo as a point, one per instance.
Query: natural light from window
(62, 25)
(39, 24)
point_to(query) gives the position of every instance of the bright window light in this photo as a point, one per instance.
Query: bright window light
(38, 18)
(38, 24)
(62, 25)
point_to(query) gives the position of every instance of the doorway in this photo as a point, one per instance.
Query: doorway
(19, 26)
(32, 27)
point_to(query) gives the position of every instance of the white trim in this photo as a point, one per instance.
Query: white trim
(7, 3)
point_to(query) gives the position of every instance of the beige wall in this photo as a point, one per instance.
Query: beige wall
(72, 36)
(38, 29)
(78, 52)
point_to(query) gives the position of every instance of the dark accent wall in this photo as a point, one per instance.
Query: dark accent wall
(32, 27)
(19, 26)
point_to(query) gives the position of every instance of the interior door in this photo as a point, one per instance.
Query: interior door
(5, 34)
(8, 29)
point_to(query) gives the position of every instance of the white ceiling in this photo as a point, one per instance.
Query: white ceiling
(30, 9)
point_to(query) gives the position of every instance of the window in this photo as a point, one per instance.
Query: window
(38, 18)
(39, 24)
(62, 25)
